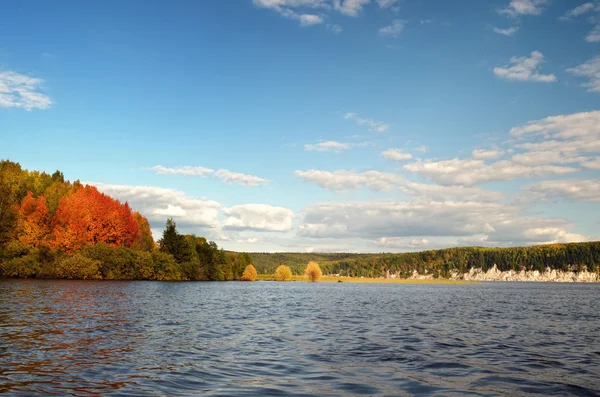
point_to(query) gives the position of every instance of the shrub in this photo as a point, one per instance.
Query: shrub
(313, 271)
(249, 273)
(21, 267)
(165, 267)
(78, 267)
(143, 265)
(283, 273)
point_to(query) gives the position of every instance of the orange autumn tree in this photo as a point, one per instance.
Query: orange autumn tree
(32, 221)
(145, 241)
(90, 217)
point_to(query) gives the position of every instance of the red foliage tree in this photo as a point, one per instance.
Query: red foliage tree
(90, 217)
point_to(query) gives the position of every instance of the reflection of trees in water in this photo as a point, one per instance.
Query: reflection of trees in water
(65, 335)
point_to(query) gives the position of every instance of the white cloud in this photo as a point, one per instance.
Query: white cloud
(158, 204)
(470, 172)
(571, 134)
(497, 224)
(375, 126)
(394, 29)
(350, 7)
(594, 35)
(546, 157)
(422, 149)
(286, 8)
(506, 32)
(524, 7)
(578, 11)
(590, 70)
(304, 10)
(184, 170)
(525, 69)
(402, 242)
(485, 154)
(396, 155)
(592, 164)
(342, 180)
(573, 190)
(21, 91)
(452, 193)
(328, 146)
(170, 211)
(240, 179)
(261, 217)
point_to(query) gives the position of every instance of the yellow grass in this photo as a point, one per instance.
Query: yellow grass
(334, 279)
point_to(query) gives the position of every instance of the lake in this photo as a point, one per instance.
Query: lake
(298, 339)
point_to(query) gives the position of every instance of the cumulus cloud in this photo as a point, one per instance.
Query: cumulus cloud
(470, 172)
(524, 7)
(525, 69)
(589, 70)
(573, 189)
(452, 193)
(393, 30)
(375, 126)
(506, 32)
(183, 170)
(21, 91)
(499, 224)
(565, 135)
(396, 155)
(158, 204)
(260, 217)
(240, 178)
(552, 146)
(342, 180)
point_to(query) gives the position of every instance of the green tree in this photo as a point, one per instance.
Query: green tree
(175, 244)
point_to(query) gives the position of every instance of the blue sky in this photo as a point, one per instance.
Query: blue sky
(317, 125)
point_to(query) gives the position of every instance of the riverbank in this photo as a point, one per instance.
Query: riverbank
(343, 279)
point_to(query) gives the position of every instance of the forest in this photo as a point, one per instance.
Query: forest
(439, 263)
(53, 228)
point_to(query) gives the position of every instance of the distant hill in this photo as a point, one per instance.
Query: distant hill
(565, 257)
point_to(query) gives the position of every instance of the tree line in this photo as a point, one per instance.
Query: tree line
(53, 228)
(440, 263)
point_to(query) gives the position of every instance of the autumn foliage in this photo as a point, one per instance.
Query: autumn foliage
(90, 217)
(313, 271)
(32, 221)
(53, 228)
(249, 273)
(283, 273)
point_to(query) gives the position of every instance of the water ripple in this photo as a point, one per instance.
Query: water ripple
(296, 339)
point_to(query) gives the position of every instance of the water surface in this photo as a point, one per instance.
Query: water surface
(239, 339)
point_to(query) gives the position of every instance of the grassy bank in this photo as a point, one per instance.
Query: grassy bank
(334, 279)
